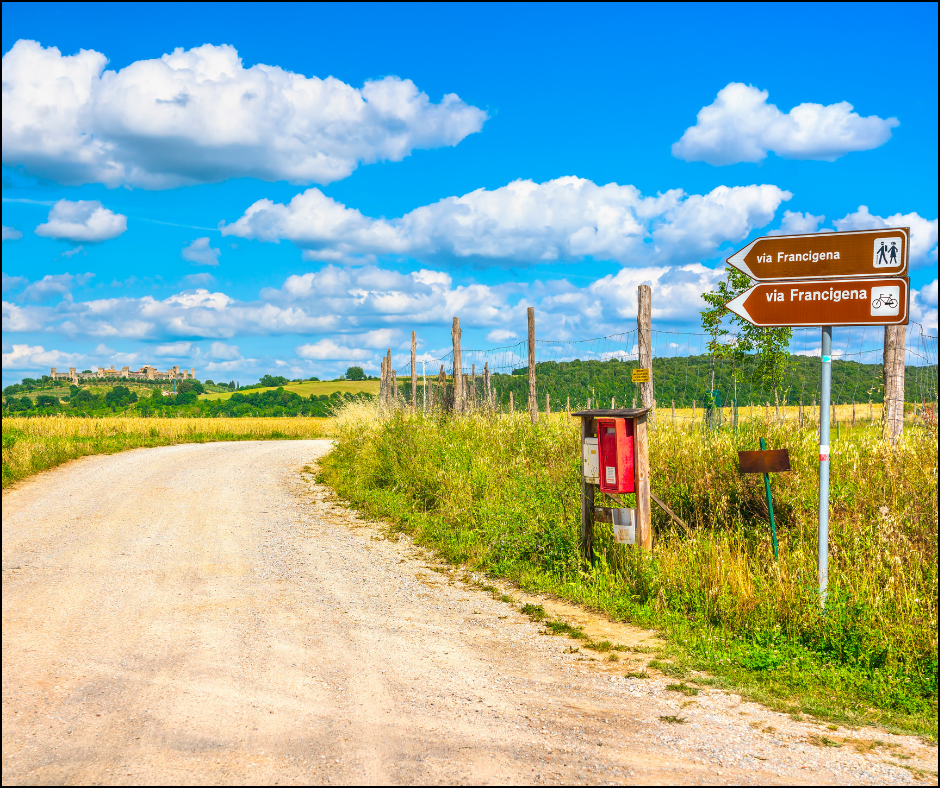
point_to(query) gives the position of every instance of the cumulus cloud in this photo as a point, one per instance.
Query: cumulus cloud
(740, 126)
(82, 220)
(13, 282)
(72, 252)
(524, 222)
(923, 231)
(329, 350)
(222, 352)
(11, 234)
(501, 335)
(795, 223)
(52, 285)
(924, 308)
(199, 280)
(176, 350)
(200, 253)
(198, 116)
(33, 357)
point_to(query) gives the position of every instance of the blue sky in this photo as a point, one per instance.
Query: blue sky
(295, 188)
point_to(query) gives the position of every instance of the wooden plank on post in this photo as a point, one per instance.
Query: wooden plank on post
(458, 371)
(587, 501)
(533, 402)
(644, 312)
(644, 522)
(414, 373)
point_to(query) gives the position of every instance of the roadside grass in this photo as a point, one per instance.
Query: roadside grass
(503, 497)
(33, 444)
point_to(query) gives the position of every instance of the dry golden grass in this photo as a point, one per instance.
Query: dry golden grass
(40, 442)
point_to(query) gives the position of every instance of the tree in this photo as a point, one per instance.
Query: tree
(771, 345)
(355, 373)
(46, 401)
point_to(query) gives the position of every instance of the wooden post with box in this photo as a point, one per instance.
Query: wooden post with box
(615, 459)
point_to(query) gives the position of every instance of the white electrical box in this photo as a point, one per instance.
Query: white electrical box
(624, 522)
(590, 467)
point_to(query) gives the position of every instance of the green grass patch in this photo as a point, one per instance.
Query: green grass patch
(503, 497)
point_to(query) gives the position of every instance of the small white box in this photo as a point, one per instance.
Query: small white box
(624, 526)
(590, 467)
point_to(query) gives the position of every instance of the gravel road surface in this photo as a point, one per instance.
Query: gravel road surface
(208, 614)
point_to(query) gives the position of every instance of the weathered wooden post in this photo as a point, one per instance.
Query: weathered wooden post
(644, 294)
(568, 405)
(533, 403)
(473, 387)
(487, 389)
(673, 412)
(382, 381)
(388, 377)
(394, 388)
(414, 374)
(587, 499)
(893, 378)
(613, 401)
(458, 371)
(644, 521)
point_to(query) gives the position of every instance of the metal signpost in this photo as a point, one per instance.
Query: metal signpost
(826, 279)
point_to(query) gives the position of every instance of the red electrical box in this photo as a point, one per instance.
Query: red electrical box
(615, 445)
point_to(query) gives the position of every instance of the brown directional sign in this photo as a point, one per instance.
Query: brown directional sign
(772, 461)
(825, 255)
(834, 302)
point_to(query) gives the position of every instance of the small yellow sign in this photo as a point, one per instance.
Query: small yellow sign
(641, 376)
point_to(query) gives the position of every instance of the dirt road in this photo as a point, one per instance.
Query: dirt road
(205, 614)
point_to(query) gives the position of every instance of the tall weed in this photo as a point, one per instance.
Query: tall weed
(503, 496)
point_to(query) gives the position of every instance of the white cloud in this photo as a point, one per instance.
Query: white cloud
(36, 357)
(13, 282)
(72, 252)
(20, 319)
(11, 234)
(795, 223)
(924, 308)
(740, 126)
(82, 220)
(525, 222)
(328, 349)
(176, 350)
(222, 352)
(54, 285)
(923, 231)
(199, 280)
(198, 116)
(501, 335)
(200, 253)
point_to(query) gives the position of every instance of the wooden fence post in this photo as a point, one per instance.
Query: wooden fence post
(414, 374)
(394, 388)
(644, 523)
(473, 387)
(587, 501)
(458, 371)
(673, 411)
(644, 311)
(533, 403)
(893, 378)
(487, 389)
(568, 406)
(382, 381)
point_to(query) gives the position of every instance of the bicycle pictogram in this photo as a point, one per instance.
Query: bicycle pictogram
(884, 300)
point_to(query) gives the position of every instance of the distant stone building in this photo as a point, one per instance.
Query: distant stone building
(146, 372)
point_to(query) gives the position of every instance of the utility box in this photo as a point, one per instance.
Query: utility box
(589, 461)
(615, 451)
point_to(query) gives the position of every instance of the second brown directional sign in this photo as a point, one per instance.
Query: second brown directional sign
(825, 255)
(873, 301)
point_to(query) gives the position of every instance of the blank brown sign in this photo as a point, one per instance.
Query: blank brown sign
(772, 461)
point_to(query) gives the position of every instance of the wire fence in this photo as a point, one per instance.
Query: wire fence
(690, 383)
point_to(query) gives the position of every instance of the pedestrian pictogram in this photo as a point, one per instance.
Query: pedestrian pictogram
(887, 252)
